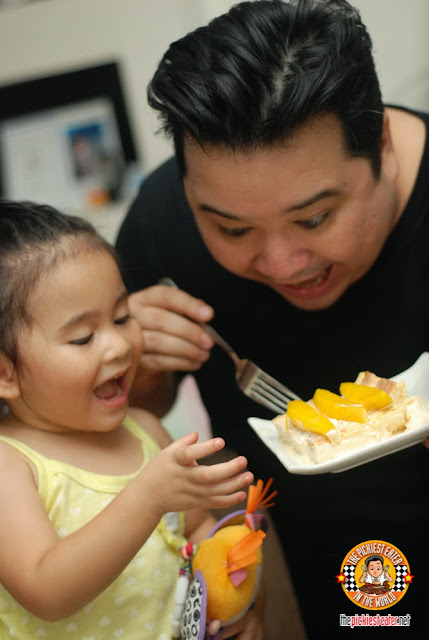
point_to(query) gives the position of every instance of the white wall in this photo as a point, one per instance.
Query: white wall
(401, 48)
(48, 36)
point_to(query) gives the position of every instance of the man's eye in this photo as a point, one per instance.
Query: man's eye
(314, 222)
(237, 232)
(123, 319)
(82, 341)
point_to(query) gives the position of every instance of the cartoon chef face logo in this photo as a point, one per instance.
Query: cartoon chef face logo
(375, 575)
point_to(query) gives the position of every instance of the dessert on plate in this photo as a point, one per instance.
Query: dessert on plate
(365, 412)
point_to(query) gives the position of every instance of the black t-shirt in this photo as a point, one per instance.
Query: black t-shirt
(380, 324)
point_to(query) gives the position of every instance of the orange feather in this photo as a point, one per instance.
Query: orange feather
(256, 498)
(243, 552)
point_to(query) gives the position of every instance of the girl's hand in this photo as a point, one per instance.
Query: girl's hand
(173, 481)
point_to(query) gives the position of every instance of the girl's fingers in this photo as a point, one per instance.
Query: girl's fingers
(214, 473)
(187, 455)
(185, 442)
(230, 485)
(225, 502)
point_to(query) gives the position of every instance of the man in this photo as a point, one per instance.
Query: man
(375, 576)
(294, 218)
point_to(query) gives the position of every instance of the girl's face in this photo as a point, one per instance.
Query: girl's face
(80, 353)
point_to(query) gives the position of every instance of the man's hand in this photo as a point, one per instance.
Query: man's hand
(173, 340)
(170, 320)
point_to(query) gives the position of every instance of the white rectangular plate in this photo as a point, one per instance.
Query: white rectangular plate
(417, 380)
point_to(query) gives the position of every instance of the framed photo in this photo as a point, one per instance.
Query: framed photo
(68, 156)
(66, 139)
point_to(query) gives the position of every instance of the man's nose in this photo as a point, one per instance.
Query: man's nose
(280, 258)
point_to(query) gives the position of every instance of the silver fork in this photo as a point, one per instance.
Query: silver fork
(252, 380)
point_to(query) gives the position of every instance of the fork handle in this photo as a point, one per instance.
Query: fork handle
(208, 328)
(223, 344)
(168, 282)
(218, 339)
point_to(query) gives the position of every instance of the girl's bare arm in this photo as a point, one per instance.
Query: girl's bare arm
(32, 556)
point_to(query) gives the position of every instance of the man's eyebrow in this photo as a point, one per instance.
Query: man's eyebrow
(224, 214)
(298, 206)
(320, 195)
(87, 315)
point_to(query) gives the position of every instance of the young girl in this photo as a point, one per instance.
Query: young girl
(92, 493)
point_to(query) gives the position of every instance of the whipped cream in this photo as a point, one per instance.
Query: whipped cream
(404, 413)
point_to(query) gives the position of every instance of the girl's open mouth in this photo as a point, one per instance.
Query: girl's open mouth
(113, 391)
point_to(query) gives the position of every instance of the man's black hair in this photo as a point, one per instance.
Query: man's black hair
(254, 76)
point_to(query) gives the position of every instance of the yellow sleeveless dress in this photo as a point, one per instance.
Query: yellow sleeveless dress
(139, 603)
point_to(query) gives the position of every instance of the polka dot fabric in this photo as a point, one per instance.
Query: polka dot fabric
(139, 603)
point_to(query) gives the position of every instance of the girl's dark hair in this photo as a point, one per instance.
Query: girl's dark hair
(252, 77)
(33, 238)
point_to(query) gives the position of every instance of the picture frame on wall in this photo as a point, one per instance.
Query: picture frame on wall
(70, 156)
(66, 139)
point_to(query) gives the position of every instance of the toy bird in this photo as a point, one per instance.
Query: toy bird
(220, 578)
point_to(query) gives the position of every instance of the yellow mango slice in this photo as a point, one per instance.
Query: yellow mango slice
(335, 406)
(306, 418)
(370, 397)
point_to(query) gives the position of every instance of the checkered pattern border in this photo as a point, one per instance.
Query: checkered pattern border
(401, 571)
(350, 584)
(349, 572)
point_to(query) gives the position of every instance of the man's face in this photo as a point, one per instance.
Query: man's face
(375, 568)
(304, 218)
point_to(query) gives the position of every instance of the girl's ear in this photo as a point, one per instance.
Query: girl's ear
(9, 386)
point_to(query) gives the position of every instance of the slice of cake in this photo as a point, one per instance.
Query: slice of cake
(366, 411)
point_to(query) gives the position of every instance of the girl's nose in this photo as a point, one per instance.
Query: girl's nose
(117, 346)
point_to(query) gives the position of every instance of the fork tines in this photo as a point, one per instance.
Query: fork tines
(269, 392)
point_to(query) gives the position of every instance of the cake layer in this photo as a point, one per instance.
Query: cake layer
(402, 413)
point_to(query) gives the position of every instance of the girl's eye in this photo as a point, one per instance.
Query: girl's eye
(314, 222)
(123, 319)
(235, 232)
(83, 341)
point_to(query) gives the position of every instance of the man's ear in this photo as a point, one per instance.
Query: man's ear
(389, 162)
(9, 385)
